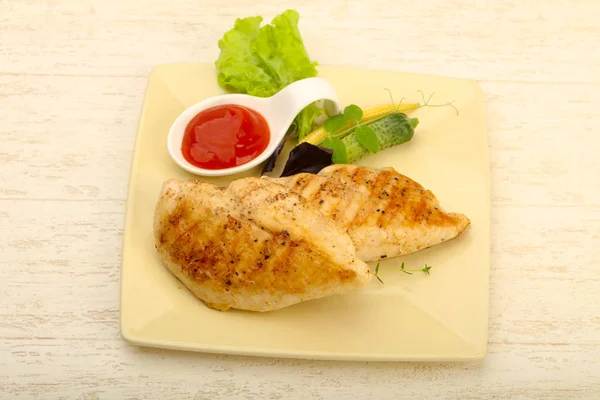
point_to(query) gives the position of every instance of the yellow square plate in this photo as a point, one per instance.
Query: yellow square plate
(442, 316)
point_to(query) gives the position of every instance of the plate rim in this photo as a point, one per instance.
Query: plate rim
(131, 338)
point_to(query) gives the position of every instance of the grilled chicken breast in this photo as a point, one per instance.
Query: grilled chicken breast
(253, 246)
(385, 213)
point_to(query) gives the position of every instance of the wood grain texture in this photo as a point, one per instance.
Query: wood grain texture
(72, 79)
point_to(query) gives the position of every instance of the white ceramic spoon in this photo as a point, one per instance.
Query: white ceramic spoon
(278, 110)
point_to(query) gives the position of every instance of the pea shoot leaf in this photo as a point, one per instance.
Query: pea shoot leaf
(335, 123)
(366, 136)
(339, 149)
(353, 113)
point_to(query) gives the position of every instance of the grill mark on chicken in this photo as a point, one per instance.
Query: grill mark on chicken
(331, 203)
(397, 200)
(379, 180)
(368, 205)
(302, 183)
(385, 194)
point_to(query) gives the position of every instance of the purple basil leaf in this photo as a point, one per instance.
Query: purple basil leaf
(308, 158)
(273, 158)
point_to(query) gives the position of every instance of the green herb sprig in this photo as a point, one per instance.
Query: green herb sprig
(351, 115)
(426, 103)
(410, 271)
(363, 133)
(341, 125)
(425, 270)
(376, 274)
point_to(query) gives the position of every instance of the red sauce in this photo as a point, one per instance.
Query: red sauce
(224, 137)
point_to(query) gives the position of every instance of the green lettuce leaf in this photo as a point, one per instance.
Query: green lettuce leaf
(282, 51)
(239, 67)
(304, 120)
(260, 61)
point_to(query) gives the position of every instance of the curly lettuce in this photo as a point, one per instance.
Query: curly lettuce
(260, 61)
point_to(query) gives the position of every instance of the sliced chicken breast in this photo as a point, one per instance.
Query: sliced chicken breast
(385, 213)
(253, 246)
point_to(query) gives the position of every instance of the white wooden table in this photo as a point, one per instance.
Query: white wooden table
(72, 80)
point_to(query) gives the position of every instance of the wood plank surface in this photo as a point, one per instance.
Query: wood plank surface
(72, 80)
